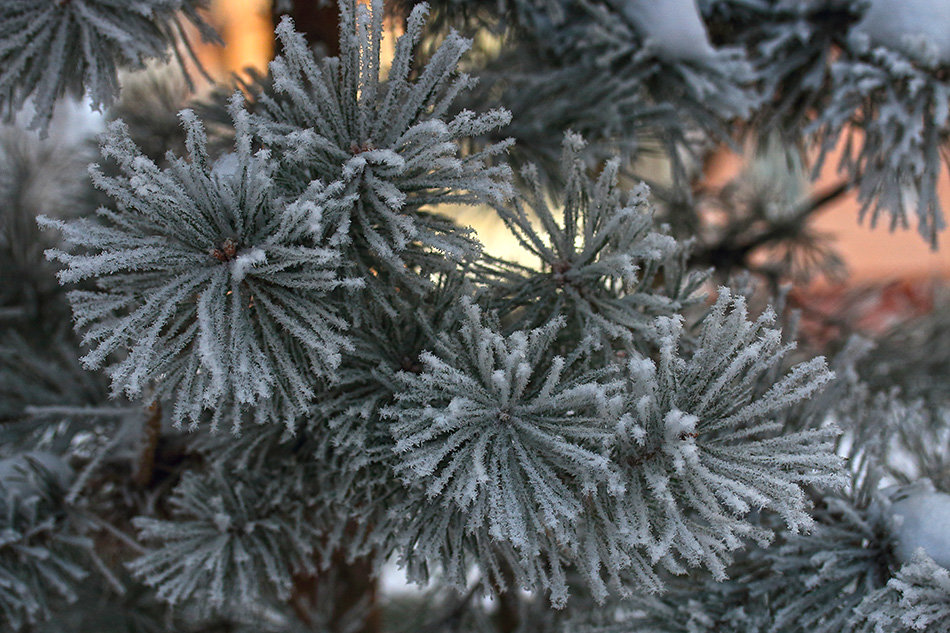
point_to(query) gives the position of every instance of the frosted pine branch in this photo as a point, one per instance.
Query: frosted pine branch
(701, 85)
(831, 570)
(504, 440)
(600, 257)
(212, 285)
(50, 48)
(700, 448)
(892, 111)
(497, 426)
(916, 599)
(229, 543)
(43, 560)
(391, 143)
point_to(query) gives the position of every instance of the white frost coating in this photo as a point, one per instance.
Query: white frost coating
(226, 166)
(244, 262)
(905, 24)
(674, 27)
(922, 520)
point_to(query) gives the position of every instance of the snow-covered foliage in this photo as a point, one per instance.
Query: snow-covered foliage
(581, 442)
(823, 69)
(494, 424)
(505, 439)
(392, 143)
(830, 571)
(892, 112)
(792, 45)
(54, 48)
(701, 87)
(865, 77)
(222, 292)
(689, 450)
(916, 27)
(674, 28)
(595, 67)
(647, 456)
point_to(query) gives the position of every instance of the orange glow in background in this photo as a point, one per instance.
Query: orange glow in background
(870, 254)
(248, 32)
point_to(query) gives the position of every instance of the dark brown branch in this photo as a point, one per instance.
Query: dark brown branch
(729, 253)
(151, 431)
(354, 591)
(508, 616)
(449, 622)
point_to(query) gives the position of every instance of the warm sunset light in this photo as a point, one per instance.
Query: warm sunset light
(247, 29)
(869, 253)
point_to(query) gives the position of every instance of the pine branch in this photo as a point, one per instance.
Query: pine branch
(602, 262)
(211, 278)
(53, 48)
(390, 144)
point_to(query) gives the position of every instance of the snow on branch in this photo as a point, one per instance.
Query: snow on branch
(916, 599)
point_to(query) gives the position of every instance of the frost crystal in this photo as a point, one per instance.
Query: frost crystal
(495, 425)
(228, 541)
(916, 599)
(833, 568)
(601, 259)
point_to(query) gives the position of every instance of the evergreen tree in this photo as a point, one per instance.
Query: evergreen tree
(612, 431)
